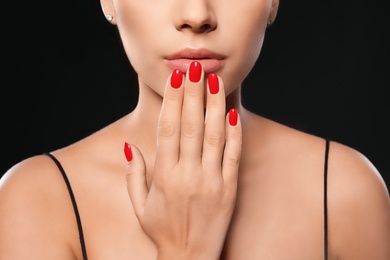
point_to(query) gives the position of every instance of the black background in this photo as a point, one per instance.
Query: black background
(323, 69)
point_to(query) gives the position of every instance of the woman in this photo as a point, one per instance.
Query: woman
(206, 178)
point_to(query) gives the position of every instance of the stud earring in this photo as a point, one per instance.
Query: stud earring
(269, 22)
(109, 17)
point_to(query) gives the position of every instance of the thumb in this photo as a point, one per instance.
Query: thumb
(136, 178)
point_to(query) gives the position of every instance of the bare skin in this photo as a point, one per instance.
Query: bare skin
(273, 209)
(278, 215)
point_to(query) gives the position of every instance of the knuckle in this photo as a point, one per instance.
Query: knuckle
(213, 189)
(129, 174)
(231, 187)
(233, 159)
(166, 129)
(190, 130)
(214, 139)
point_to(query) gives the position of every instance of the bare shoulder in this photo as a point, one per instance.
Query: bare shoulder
(347, 163)
(359, 206)
(354, 177)
(34, 204)
(358, 199)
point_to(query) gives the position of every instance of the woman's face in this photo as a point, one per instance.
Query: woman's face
(160, 35)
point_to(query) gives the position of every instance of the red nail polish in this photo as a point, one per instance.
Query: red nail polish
(176, 78)
(195, 71)
(128, 152)
(233, 116)
(213, 83)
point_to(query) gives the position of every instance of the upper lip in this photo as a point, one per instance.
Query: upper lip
(190, 53)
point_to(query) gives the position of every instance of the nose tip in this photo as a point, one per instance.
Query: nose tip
(197, 28)
(196, 16)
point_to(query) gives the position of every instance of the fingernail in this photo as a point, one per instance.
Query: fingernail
(233, 116)
(195, 71)
(213, 83)
(128, 152)
(176, 78)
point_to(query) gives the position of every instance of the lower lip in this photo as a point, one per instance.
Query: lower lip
(208, 65)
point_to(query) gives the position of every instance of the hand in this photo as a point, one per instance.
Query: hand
(188, 208)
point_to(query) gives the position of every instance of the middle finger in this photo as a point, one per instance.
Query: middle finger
(192, 120)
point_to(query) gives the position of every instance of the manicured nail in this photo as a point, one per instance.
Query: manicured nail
(213, 83)
(128, 152)
(195, 71)
(233, 116)
(176, 78)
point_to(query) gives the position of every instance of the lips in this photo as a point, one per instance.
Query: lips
(211, 61)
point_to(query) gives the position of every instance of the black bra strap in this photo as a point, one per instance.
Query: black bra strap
(326, 200)
(82, 243)
(81, 230)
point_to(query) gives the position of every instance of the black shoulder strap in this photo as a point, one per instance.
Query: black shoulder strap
(76, 211)
(326, 200)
